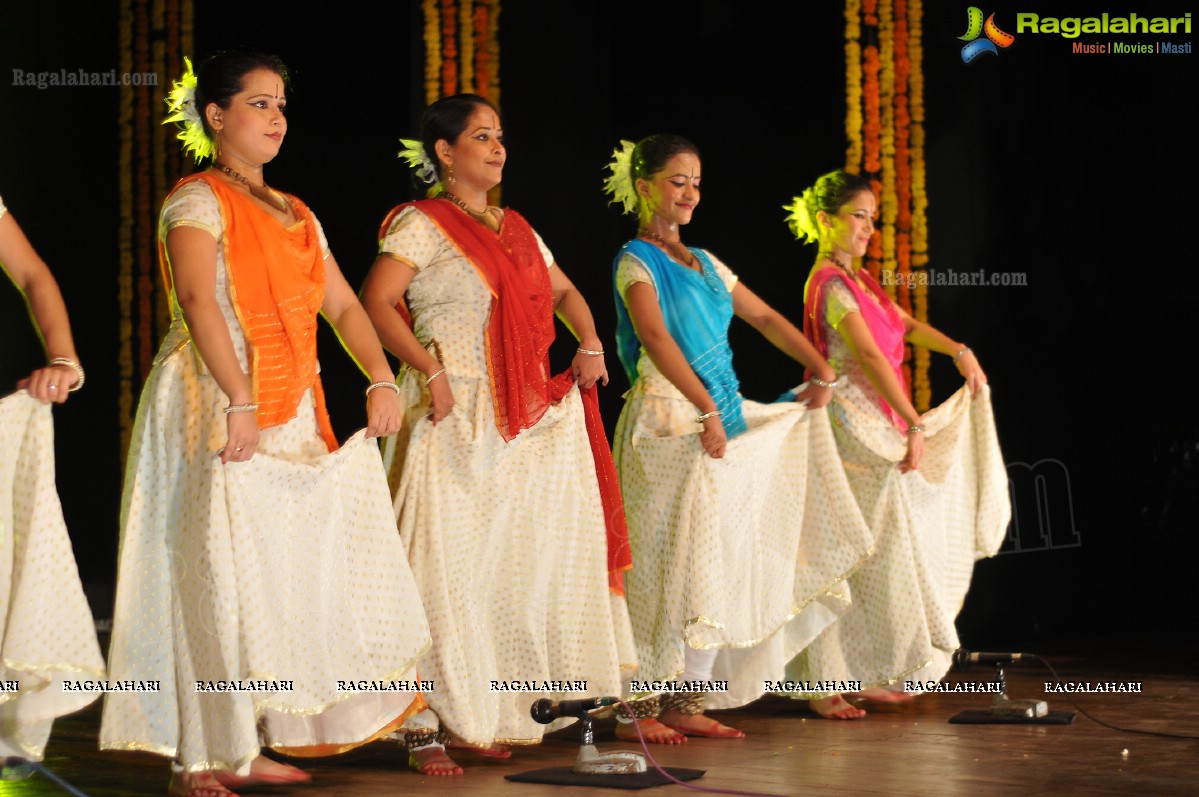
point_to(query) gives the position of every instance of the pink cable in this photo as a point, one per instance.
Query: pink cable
(649, 756)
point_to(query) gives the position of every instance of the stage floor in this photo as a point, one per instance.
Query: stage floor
(911, 749)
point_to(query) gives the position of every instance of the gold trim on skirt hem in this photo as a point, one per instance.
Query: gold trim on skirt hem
(317, 750)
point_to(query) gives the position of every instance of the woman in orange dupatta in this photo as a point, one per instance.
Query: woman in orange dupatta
(505, 493)
(260, 571)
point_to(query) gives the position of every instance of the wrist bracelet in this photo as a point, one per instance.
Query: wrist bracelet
(74, 366)
(592, 352)
(232, 408)
(707, 415)
(822, 383)
(964, 350)
(433, 376)
(916, 428)
(387, 384)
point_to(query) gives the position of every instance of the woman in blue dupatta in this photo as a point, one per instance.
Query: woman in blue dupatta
(741, 522)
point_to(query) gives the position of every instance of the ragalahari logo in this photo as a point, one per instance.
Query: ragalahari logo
(974, 27)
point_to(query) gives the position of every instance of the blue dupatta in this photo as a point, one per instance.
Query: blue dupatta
(697, 309)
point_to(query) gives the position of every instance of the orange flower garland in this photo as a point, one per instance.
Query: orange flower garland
(884, 124)
(887, 209)
(153, 38)
(449, 48)
(462, 51)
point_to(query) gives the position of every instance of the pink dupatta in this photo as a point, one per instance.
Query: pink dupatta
(882, 319)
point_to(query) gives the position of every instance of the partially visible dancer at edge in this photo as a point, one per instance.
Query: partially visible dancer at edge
(259, 564)
(505, 493)
(47, 632)
(742, 524)
(932, 487)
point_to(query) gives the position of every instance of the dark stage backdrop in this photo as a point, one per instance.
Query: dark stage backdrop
(1073, 170)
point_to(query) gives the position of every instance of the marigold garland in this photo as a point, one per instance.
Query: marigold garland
(432, 37)
(480, 65)
(884, 125)
(449, 48)
(462, 51)
(853, 85)
(466, 39)
(153, 36)
(887, 208)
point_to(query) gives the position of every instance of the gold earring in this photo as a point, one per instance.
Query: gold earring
(450, 173)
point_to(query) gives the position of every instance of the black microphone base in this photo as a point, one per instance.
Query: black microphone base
(989, 717)
(565, 776)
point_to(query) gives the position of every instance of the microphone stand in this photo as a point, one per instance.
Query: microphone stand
(623, 769)
(1003, 709)
(591, 762)
(1003, 706)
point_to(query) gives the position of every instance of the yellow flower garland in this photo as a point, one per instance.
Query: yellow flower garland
(853, 85)
(432, 17)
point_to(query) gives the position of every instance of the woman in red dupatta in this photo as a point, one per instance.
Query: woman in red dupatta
(259, 564)
(504, 489)
(933, 488)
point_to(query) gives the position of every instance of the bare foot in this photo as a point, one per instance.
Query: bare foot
(653, 731)
(880, 695)
(433, 761)
(698, 725)
(264, 772)
(836, 707)
(491, 750)
(197, 784)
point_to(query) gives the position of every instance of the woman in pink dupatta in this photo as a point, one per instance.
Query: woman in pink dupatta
(932, 487)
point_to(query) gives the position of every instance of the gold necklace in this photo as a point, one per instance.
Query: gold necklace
(833, 259)
(260, 191)
(478, 214)
(673, 248)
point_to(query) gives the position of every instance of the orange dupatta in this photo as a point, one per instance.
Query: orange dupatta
(277, 286)
(519, 334)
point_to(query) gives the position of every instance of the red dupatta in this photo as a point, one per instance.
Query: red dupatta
(276, 285)
(519, 333)
(882, 319)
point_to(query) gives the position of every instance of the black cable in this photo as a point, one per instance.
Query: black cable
(1070, 697)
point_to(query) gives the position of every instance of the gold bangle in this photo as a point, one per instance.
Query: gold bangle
(592, 352)
(433, 376)
(391, 385)
(74, 366)
(707, 415)
(822, 383)
(919, 427)
(232, 408)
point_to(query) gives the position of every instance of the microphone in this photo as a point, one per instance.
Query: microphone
(962, 659)
(546, 711)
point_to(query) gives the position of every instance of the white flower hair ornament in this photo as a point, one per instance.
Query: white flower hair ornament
(419, 160)
(800, 218)
(620, 182)
(181, 108)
